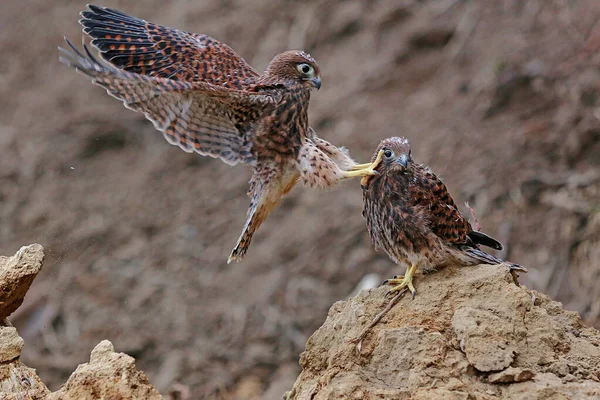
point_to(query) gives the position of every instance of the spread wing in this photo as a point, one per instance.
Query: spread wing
(145, 48)
(445, 220)
(196, 116)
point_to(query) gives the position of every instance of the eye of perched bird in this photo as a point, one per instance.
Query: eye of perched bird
(306, 69)
(388, 153)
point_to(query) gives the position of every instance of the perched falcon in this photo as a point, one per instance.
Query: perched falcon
(411, 216)
(205, 98)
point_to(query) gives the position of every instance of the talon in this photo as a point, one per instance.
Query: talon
(412, 291)
(402, 281)
(365, 169)
(393, 279)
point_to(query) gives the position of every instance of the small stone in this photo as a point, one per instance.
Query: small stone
(10, 344)
(559, 368)
(454, 384)
(20, 381)
(484, 338)
(16, 275)
(103, 349)
(510, 375)
(108, 375)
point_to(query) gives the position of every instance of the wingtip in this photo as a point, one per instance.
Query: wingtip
(68, 42)
(65, 52)
(62, 59)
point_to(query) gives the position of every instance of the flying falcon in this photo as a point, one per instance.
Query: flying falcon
(205, 98)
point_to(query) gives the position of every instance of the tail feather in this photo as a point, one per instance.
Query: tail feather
(266, 189)
(485, 240)
(486, 258)
(257, 213)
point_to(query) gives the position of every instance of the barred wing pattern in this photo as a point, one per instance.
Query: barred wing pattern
(445, 219)
(135, 45)
(196, 116)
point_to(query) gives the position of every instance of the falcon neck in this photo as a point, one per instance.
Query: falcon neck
(292, 111)
(296, 100)
(287, 124)
(293, 106)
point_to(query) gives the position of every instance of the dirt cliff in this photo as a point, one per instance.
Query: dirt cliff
(469, 333)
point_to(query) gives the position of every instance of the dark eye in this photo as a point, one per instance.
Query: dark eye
(305, 69)
(388, 153)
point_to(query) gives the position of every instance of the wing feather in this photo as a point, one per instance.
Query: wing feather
(444, 217)
(135, 45)
(196, 116)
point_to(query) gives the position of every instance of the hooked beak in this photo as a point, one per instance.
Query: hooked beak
(315, 82)
(403, 160)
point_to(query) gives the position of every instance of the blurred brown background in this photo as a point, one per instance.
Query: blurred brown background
(500, 98)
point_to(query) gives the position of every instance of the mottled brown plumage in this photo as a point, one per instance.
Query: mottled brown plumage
(412, 217)
(205, 98)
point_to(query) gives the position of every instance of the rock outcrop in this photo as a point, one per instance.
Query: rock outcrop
(17, 381)
(108, 375)
(16, 275)
(469, 333)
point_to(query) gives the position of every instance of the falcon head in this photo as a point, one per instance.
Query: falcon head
(395, 159)
(297, 66)
(396, 155)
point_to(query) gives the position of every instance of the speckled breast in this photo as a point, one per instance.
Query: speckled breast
(282, 132)
(395, 226)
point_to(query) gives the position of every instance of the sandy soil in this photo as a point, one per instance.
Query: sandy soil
(500, 99)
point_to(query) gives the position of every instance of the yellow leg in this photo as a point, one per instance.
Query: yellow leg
(359, 173)
(360, 166)
(401, 281)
